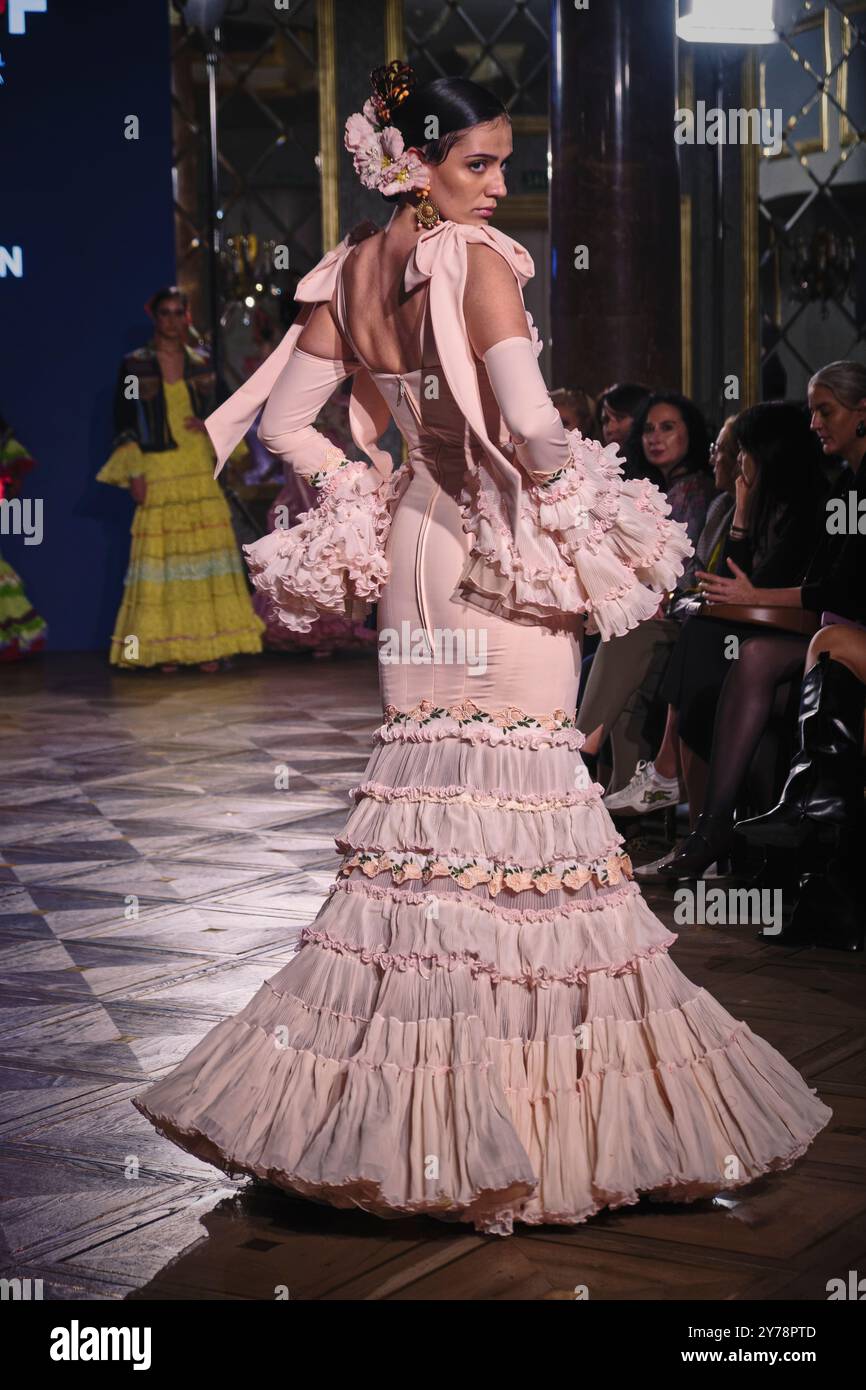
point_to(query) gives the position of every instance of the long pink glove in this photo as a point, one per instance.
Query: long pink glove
(541, 446)
(300, 391)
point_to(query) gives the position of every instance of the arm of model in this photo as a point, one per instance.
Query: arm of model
(320, 361)
(498, 333)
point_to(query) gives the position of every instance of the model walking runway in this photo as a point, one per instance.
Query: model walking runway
(483, 1023)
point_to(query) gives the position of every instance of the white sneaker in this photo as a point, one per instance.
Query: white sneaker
(649, 873)
(646, 791)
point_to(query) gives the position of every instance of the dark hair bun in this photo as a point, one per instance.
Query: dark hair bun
(448, 106)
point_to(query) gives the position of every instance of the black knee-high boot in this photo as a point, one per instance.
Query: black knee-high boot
(825, 785)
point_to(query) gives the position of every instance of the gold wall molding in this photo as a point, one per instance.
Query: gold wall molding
(686, 101)
(687, 357)
(329, 149)
(750, 392)
(395, 39)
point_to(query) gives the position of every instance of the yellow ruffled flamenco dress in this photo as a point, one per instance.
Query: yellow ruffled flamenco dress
(185, 596)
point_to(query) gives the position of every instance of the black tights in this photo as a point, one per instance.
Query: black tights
(752, 687)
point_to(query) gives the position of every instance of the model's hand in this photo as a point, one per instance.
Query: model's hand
(192, 422)
(138, 488)
(718, 588)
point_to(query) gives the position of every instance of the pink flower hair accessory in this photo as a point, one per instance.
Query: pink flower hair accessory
(378, 151)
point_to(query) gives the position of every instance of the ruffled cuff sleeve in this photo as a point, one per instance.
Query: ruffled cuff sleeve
(332, 561)
(125, 462)
(591, 543)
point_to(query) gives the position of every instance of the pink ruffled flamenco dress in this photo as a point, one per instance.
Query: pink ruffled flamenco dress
(484, 1022)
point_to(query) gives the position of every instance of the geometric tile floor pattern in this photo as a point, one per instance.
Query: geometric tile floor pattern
(152, 875)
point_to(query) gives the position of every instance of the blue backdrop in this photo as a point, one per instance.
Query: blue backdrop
(92, 213)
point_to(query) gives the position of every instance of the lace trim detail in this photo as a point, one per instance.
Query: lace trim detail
(536, 977)
(613, 900)
(498, 797)
(608, 870)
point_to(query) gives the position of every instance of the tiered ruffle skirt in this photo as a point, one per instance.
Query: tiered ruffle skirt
(484, 1023)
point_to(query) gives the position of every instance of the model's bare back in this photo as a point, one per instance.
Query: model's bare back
(383, 322)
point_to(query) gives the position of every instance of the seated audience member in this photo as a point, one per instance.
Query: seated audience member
(656, 784)
(780, 489)
(577, 410)
(673, 439)
(616, 409)
(834, 586)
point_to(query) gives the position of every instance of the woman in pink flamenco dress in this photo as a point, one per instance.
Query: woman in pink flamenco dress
(483, 1023)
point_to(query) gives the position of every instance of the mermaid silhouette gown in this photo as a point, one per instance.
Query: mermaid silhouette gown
(484, 1022)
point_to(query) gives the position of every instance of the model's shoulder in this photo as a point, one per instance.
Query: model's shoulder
(495, 256)
(362, 231)
(318, 284)
(448, 242)
(489, 262)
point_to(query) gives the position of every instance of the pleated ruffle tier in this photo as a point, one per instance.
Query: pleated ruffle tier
(483, 1022)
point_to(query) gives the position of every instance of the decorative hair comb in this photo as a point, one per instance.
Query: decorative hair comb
(391, 85)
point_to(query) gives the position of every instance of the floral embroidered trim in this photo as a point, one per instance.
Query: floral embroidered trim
(554, 477)
(602, 903)
(507, 801)
(499, 876)
(536, 977)
(480, 732)
(541, 481)
(467, 712)
(333, 461)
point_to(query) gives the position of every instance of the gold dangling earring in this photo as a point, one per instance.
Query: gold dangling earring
(426, 211)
